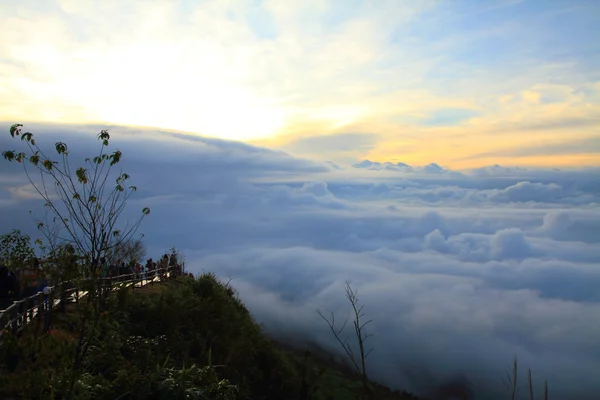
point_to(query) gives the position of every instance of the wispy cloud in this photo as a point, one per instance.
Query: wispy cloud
(413, 73)
(589, 145)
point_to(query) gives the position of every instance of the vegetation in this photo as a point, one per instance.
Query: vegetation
(194, 339)
(16, 253)
(189, 338)
(85, 205)
(511, 383)
(358, 361)
(85, 228)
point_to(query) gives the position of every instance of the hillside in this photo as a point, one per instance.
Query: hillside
(185, 339)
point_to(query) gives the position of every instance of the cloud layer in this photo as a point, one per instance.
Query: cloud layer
(464, 82)
(459, 270)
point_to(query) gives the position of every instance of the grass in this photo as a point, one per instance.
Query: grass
(182, 336)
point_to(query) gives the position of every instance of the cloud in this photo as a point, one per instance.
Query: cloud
(577, 146)
(509, 243)
(445, 117)
(458, 270)
(556, 222)
(421, 77)
(337, 143)
(431, 168)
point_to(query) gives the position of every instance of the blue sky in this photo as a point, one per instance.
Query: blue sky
(474, 75)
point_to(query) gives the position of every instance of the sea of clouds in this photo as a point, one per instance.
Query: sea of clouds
(459, 270)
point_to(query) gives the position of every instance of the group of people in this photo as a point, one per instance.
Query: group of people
(14, 286)
(140, 271)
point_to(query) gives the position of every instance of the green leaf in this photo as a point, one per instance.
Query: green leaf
(116, 233)
(47, 164)
(134, 188)
(34, 159)
(103, 135)
(40, 225)
(27, 136)
(8, 155)
(81, 175)
(15, 129)
(92, 199)
(38, 241)
(145, 211)
(76, 196)
(60, 147)
(116, 157)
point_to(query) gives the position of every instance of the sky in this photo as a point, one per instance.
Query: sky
(443, 156)
(461, 83)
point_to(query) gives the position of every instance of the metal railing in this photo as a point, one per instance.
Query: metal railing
(22, 312)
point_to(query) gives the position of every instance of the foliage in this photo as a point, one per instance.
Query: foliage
(133, 250)
(17, 255)
(186, 339)
(175, 256)
(86, 203)
(63, 263)
(83, 201)
(15, 250)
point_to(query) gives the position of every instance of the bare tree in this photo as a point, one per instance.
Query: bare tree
(511, 383)
(358, 361)
(530, 384)
(132, 250)
(86, 205)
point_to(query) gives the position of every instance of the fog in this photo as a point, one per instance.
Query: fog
(459, 270)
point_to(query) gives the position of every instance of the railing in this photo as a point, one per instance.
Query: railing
(22, 312)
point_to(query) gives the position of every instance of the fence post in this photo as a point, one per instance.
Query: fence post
(39, 314)
(21, 312)
(48, 303)
(14, 317)
(29, 312)
(39, 305)
(63, 298)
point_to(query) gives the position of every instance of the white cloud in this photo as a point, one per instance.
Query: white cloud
(459, 271)
(421, 76)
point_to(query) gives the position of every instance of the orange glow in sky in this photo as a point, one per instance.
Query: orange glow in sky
(417, 82)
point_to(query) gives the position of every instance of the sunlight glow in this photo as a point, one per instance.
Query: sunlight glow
(275, 73)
